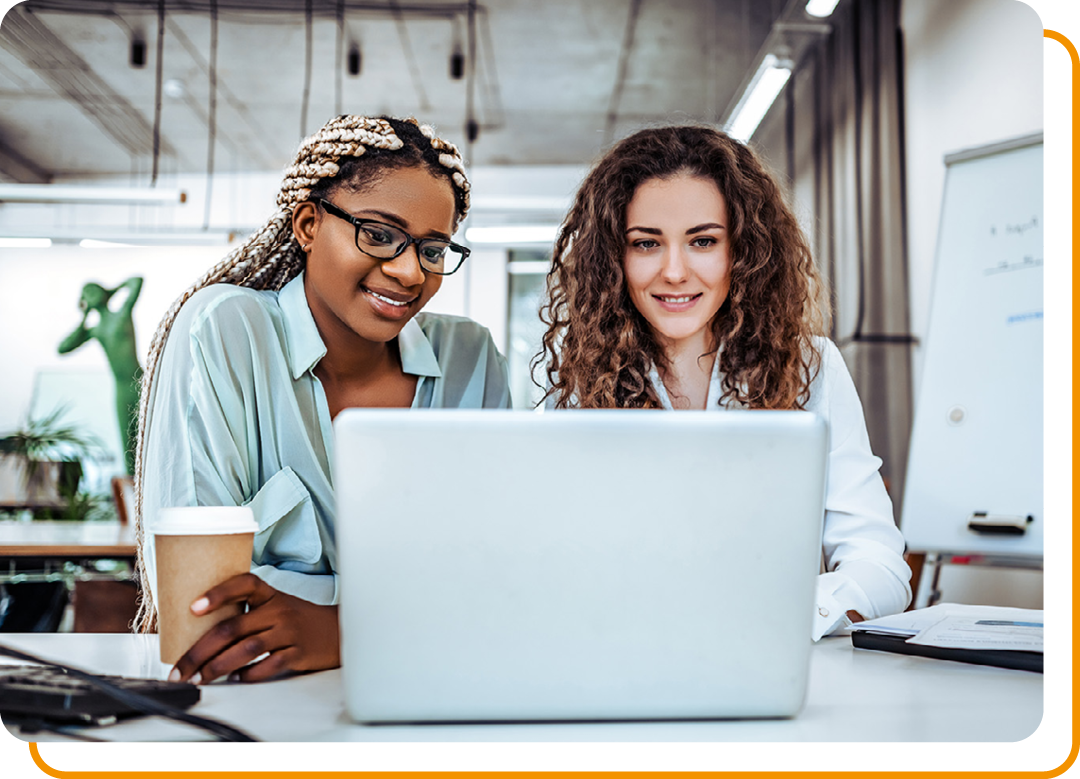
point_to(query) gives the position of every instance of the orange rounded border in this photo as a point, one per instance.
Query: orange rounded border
(1074, 752)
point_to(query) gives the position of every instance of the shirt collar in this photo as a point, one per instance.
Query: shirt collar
(713, 401)
(306, 346)
(417, 356)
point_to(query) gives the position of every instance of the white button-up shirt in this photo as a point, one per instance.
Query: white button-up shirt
(238, 417)
(861, 545)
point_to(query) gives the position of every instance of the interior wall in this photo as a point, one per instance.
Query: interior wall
(970, 73)
(973, 75)
(39, 306)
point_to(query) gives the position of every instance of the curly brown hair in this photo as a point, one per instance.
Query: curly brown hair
(598, 347)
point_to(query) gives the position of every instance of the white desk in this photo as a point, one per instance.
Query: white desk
(854, 695)
(66, 539)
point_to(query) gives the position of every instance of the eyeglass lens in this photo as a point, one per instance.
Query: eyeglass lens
(385, 241)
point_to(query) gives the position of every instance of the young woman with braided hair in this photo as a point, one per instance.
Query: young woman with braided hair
(681, 280)
(314, 313)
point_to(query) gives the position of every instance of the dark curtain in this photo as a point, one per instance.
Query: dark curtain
(836, 137)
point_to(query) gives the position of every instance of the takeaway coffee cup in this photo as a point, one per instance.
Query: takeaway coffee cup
(197, 547)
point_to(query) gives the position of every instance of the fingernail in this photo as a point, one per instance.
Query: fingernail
(200, 604)
(196, 679)
(174, 675)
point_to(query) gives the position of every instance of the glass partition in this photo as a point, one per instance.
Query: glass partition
(527, 279)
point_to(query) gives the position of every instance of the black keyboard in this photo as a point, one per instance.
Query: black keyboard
(49, 694)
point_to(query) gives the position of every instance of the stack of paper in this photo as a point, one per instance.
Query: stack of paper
(985, 635)
(958, 626)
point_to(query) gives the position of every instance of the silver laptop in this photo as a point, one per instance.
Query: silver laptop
(579, 565)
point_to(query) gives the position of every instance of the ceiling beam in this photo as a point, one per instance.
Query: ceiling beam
(19, 169)
(620, 77)
(71, 77)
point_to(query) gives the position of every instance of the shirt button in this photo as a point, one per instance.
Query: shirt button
(823, 611)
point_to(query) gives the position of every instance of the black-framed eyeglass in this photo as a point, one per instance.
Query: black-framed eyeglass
(385, 242)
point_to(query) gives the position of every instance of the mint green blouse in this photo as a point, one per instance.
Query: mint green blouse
(238, 417)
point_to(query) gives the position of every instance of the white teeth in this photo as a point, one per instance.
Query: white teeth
(398, 303)
(682, 299)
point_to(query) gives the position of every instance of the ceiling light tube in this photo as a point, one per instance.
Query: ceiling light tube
(98, 238)
(64, 193)
(557, 205)
(25, 243)
(770, 78)
(512, 234)
(821, 8)
(528, 267)
(95, 243)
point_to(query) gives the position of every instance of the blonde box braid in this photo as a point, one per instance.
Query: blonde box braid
(271, 257)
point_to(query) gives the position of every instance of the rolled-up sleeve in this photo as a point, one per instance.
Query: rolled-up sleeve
(203, 445)
(286, 518)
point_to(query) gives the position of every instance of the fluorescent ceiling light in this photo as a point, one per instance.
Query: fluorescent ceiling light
(479, 203)
(25, 243)
(758, 97)
(64, 193)
(94, 243)
(512, 234)
(821, 8)
(121, 237)
(528, 268)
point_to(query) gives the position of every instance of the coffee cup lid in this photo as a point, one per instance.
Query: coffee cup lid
(204, 521)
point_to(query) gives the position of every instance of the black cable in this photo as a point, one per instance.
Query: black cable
(157, 90)
(137, 701)
(339, 44)
(211, 121)
(31, 727)
(472, 127)
(493, 101)
(307, 69)
(410, 56)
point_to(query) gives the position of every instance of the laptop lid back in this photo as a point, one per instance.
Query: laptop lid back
(499, 565)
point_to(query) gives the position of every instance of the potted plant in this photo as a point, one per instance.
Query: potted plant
(41, 467)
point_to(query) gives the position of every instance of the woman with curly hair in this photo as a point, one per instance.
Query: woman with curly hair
(319, 310)
(681, 280)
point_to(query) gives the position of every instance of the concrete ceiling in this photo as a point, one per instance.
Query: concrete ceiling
(556, 80)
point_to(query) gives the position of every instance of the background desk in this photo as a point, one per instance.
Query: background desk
(67, 552)
(68, 540)
(854, 695)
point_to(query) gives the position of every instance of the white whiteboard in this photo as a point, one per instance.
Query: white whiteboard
(976, 443)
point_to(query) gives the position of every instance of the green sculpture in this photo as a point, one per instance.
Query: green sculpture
(115, 331)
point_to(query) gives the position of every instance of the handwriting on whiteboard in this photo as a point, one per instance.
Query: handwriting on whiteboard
(1027, 316)
(1029, 247)
(1017, 228)
(1004, 266)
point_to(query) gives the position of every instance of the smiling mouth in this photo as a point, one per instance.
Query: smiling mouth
(388, 300)
(676, 299)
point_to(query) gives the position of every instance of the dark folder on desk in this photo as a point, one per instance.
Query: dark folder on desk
(1003, 658)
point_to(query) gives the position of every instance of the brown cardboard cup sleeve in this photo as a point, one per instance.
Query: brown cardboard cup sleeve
(197, 548)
